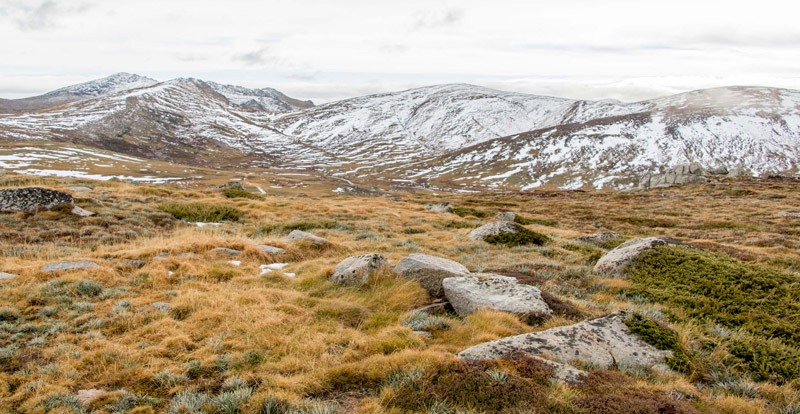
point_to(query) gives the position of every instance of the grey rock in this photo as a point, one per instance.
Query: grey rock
(134, 263)
(7, 276)
(507, 216)
(162, 306)
(440, 207)
(64, 266)
(600, 238)
(494, 228)
(616, 261)
(602, 342)
(230, 184)
(162, 255)
(678, 175)
(356, 270)
(793, 214)
(78, 189)
(297, 235)
(227, 251)
(721, 170)
(470, 294)
(270, 250)
(81, 212)
(32, 200)
(429, 271)
(187, 255)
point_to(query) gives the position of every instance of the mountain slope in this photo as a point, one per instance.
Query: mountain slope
(100, 87)
(264, 99)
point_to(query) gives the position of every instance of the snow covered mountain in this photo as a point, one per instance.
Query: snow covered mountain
(450, 136)
(100, 87)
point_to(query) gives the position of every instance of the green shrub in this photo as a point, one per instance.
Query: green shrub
(520, 238)
(539, 221)
(201, 212)
(661, 338)
(647, 222)
(465, 211)
(761, 302)
(305, 224)
(239, 192)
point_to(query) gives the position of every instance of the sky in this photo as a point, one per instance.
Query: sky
(329, 50)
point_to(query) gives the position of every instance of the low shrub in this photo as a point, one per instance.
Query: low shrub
(305, 224)
(521, 238)
(533, 220)
(647, 222)
(201, 212)
(239, 192)
(660, 337)
(466, 211)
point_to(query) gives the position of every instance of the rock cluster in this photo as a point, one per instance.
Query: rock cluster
(430, 271)
(678, 175)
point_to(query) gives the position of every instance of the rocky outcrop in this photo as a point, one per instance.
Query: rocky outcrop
(64, 266)
(439, 208)
(678, 175)
(356, 270)
(297, 235)
(36, 199)
(602, 342)
(429, 271)
(506, 216)
(270, 250)
(470, 294)
(600, 238)
(616, 261)
(494, 228)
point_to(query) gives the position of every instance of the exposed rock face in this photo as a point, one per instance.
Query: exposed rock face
(486, 291)
(32, 200)
(601, 341)
(600, 238)
(617, 261)
(7, 276)
(678, 175)
(63, 266)
(439, 208)
(429, 271)
(507, 216)
(271, 250)
(297, 235)
(356, 270)
(494, 228)
(227, 251)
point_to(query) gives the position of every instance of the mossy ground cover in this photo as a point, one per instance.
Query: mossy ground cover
(759, 303)
(523, 237)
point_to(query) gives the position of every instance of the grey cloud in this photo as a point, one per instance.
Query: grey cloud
(256, 57)
(37, 15)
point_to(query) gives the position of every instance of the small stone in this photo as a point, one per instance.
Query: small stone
(78, 189)
(507, 216)
(81, 212)
(356, 270)
(227, 251)
(297, 235)
(270, 250)
(162, 306)
(7, 276)
(64, 266)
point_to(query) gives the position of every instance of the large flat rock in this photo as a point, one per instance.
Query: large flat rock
(429, 271)
(469, 294)
(32, 199)
(601, 342)
(64, 266)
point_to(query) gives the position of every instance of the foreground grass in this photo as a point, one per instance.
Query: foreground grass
(239, 340)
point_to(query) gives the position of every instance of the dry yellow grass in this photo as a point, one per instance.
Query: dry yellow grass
(304, 337)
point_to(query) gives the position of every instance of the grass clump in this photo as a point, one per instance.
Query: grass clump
(661, 338)
(521, 238)
(762, 303)
(239, 192)
(201, 212)
(535, 220)
(466, 211)
(306, 224)
(647, 221)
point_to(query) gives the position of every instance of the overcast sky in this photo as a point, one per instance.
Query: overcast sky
(328, 50)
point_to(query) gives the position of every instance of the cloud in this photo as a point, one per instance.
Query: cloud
(258, 57)
(435, 19)
(38, 15)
